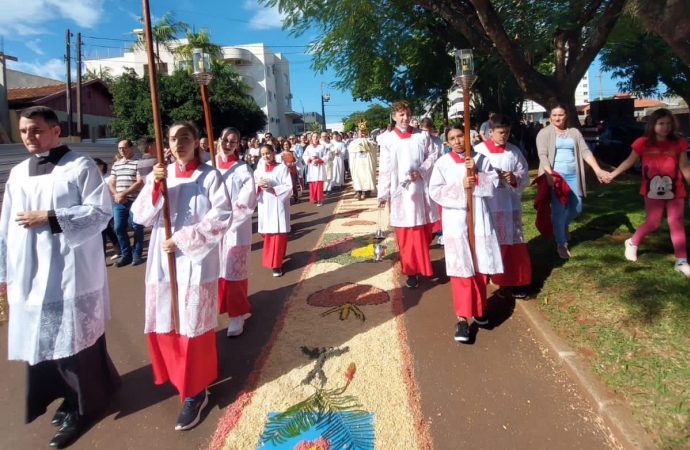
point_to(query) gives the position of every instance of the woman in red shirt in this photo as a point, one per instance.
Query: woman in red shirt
(664, 165)
(291, 162)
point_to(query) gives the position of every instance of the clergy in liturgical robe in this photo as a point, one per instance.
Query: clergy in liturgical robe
(467, 272)
(363, 163)
(52, 273)
(236, 247)
(506, 207)
(273, 186)
(200, 214)
(314, 157)
(406, 160)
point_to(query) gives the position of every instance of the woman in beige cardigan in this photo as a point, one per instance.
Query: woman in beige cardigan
(563, 150)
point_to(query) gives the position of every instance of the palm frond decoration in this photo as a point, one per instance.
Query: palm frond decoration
(340, 418)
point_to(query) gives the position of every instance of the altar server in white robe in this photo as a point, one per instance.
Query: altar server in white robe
(236, 247)
(200, 212)
(52, 274)
(274, 186)
(363, 163)
(338, 153)
(447, 187)
(407, 158)
(314, 157)
(506, 207)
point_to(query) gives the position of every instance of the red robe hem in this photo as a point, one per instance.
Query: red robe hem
(275, 246)
(469, 295)
(517, 268)
(190, 364)
(233, 297)
(315, 191)
(414, 249)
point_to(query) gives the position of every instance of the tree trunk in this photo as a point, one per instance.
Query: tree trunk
(568, 102)
(668, 19)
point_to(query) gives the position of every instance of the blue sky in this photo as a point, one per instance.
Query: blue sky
(34, 32)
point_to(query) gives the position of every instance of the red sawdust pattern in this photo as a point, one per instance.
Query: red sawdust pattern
(355, 294)
(354, 223)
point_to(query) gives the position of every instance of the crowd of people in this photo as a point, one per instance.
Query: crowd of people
(68, 205)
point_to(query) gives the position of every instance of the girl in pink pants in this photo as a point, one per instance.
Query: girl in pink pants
(664, 165)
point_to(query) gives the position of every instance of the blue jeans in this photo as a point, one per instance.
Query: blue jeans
(123, 219)
(562, 215)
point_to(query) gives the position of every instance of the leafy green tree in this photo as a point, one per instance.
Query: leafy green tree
(376, 116)
(642, 60)
(315, 127)
(524, 34)
(104, 74)
(180, 99)
(164, 32)
(200, 39)
(669, 19)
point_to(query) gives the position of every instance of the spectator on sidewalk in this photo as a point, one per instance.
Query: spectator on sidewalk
(125, 184)
(147, 147)
(109, 232)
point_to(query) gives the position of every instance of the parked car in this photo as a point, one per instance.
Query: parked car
(615, 141)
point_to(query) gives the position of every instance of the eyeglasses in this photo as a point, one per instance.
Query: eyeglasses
(225, 141)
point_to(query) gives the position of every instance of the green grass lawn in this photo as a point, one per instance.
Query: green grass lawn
(630, 321)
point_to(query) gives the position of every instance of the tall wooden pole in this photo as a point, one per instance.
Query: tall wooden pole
(468, 153)
(153, 85)
(68, 82)
(80, 116)
(209, 126)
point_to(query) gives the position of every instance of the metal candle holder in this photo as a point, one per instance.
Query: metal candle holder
(379, 252)
(379, 232)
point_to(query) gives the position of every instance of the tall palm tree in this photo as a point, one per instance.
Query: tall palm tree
(102, 73)
(202, 40)
(164, 33)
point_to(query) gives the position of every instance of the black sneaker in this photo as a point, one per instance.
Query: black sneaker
(481, 320)
(137, 260)
(191, 413)
(277, 272)
(462, 331)
(519, 292)
(412, 281)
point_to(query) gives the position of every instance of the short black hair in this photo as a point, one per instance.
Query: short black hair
(102, 165)
(47, 114)
(500, 121)
(144, 143)
(427, 123)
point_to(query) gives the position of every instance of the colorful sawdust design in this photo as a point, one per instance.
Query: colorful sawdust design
(344, 249)
(338, 419)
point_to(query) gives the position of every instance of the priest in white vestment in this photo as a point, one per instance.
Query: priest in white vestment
(407, 158)
(53, 275)
(506, 207)
(363, 163)
(467, 272)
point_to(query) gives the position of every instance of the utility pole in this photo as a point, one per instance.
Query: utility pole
(4, 107)
(80, 116)
(601, 90)
(304, 123)
(324, 99)
(68, 58)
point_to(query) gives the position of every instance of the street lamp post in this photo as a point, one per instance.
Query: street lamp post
(324, 98)
(465, 78)
(201, 62)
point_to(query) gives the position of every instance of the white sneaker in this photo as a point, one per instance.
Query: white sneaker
(684, 268)
(439, 240)
(630, 250)
(236, 326)
(115, 256)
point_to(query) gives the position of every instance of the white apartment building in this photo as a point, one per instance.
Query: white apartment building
(534, 112)
(266, 74)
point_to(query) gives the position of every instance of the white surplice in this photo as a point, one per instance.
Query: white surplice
(274, 207)
(410, 205)
(56, 283)
(446, 188)
(363, 164)
(316, 172)
(505, 205)
(236, 245)
(200, 214)
(338, 165)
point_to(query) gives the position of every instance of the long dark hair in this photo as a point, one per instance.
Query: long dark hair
(236, 132)
(195, 134)
(654, 117)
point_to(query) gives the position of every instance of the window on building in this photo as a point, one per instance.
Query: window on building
(287, 101)
(268, 71)
(584, 85)
(586, 94)
(285, 78)
(275, 96)
(270, 96)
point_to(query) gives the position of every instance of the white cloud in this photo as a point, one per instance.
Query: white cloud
(26, 18)
(263, 18)
(53, 68)
(34, 45)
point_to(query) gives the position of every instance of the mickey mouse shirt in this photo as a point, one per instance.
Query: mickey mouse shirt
(661, 176)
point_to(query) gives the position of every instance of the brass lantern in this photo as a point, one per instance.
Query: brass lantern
(201, 64)
(464, 68)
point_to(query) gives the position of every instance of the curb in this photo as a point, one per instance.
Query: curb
(615, 414)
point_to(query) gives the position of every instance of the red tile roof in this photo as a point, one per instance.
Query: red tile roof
(648, 103)
(29, 93)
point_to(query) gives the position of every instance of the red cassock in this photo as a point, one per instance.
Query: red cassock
(414, 249)
(469, 295)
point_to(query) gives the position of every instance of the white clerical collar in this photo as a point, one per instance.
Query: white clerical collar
(42, 155)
